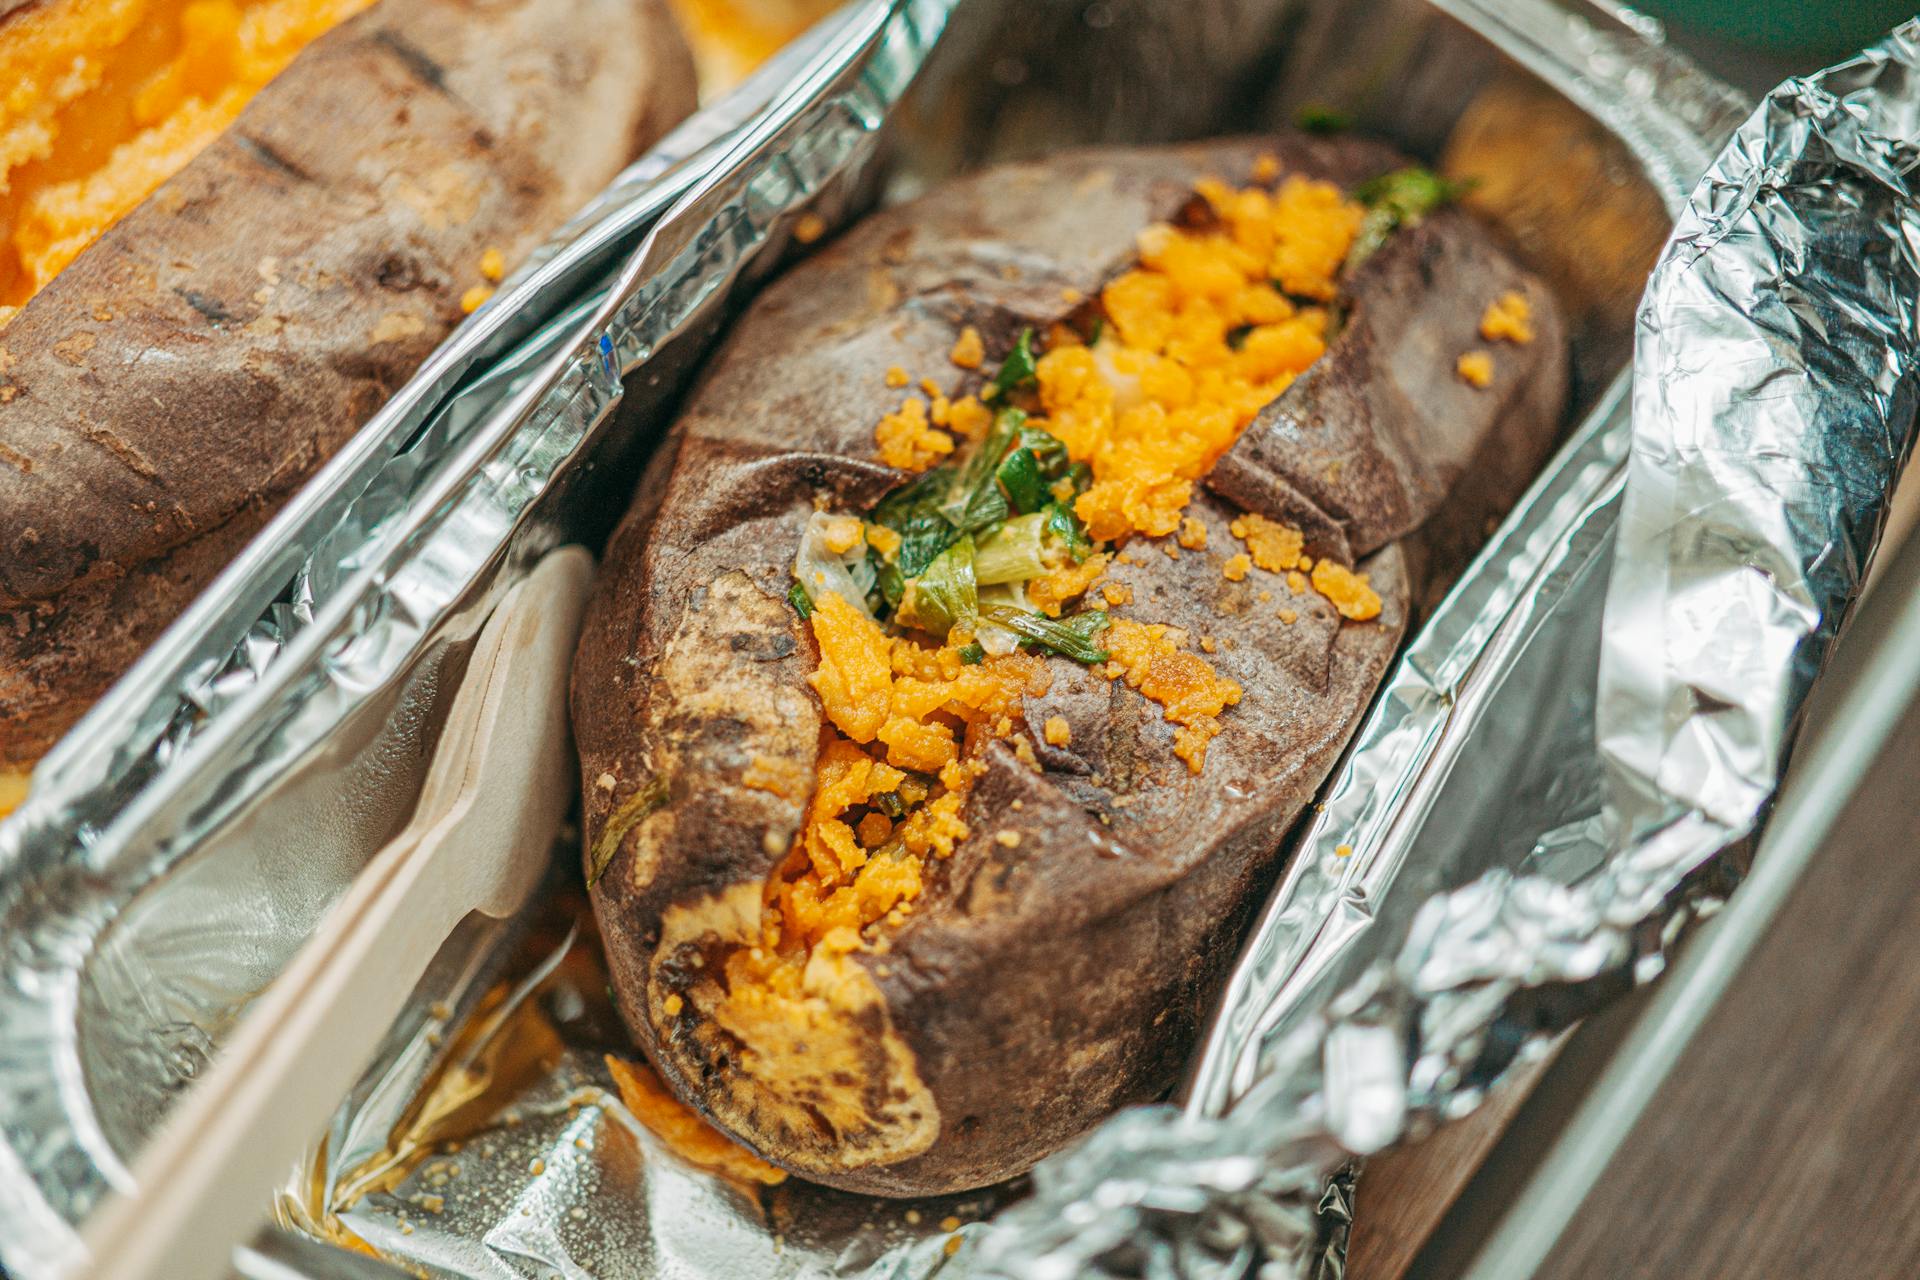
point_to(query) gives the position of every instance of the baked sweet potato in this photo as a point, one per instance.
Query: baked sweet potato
(166, 390)
(904, 911)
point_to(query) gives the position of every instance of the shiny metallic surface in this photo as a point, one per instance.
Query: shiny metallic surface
(1599, 762)
(1469, 884)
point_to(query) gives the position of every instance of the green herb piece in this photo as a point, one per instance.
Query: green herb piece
(1317, 117)
(914, 512)
(892, 585)
(1049, 451)
(628, 814)
(944, 594)
(1395, 200)
(1068, 637)
(889, 803)
(1019, 476)
(1080, 476)
(1014, 552)
(1063, 524)
(797, 597)
(1016, 371)
(973, 500)
(972, 654)
(1099, 327)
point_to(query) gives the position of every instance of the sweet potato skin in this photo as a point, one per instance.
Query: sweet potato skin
(164, 394)
(1042, 982)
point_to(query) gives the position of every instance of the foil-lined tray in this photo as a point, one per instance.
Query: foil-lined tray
(224, 794)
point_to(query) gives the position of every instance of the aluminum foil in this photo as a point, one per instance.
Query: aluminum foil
(1591, 792)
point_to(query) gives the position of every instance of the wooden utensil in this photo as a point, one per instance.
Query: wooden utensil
(494, 797)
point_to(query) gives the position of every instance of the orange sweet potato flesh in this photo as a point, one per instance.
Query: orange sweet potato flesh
(1061, 961)
(109, 98)
(232, 229)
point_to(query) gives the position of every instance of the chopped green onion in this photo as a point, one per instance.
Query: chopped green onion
(1016, 371)
(1394, 200)
(1099, 327)
(1319, 118)
(889, 803)
(914, 512)
(972, 654)
(1080, 476)
(891, 583)
(1049, 451)
(943, 595)
(1063, 524)
(1019, 475)
(1068, 637)
(973, 500)
(1014, 552)
(797, 597)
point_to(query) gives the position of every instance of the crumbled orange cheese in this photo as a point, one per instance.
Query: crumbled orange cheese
(968, 350)
(810, 227)
(1508, 317)
(855, 677)
(883, 540)
(1190, 692)
(1057, 732)
(1297, 582)
(1049, 591)
(1274, 546)
(968, 418)
(1007, 839)
(1192, 535)
(1199, 342)
(841, 534)
(1266, 167)
(493, 265)
(848, 872)
(1237, 567)
(685, 1133)
(1117, 593)
(1348, 590)
(1289, 616)
(908, 441)
(673, 1004)
(475, 298)
(1475, 369)
(897, 377)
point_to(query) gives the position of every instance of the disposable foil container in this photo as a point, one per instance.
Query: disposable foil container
(240, 786)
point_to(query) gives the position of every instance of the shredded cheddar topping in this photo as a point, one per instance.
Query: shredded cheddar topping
(908, 440)
(1190, 692)
(1272, 545)
(1475, 369)
(1508, 317)
(1347, 590)
(968, 350)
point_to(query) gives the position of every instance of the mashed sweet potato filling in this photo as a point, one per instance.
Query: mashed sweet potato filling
(1117, 421)
(907, 722)
(101, 101)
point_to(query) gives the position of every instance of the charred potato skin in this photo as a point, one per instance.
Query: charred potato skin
(1042, 984)
(171, 388)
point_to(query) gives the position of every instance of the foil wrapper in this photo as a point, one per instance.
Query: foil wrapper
(233, 785)
(1606, 776)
